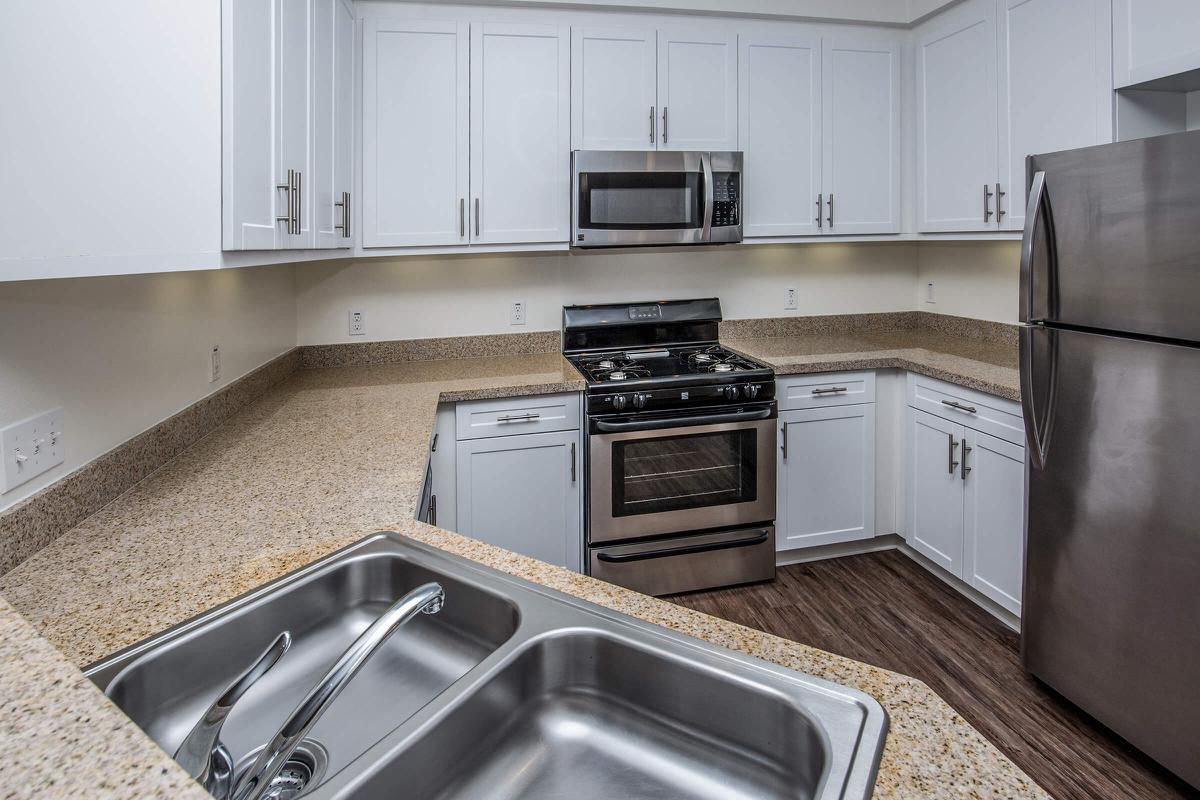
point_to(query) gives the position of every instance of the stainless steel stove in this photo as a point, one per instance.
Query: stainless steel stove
(680, 447)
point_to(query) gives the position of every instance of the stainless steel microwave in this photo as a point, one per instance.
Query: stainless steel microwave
(627, 198)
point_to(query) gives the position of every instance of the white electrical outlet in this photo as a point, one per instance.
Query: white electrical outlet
(30, 447)
(516, 313)
(214, 364)
(929, 293)
(790, 300)
(358, 323)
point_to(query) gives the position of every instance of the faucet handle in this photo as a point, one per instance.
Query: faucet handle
(202, 747)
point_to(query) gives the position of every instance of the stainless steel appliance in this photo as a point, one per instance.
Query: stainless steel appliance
(623, 198)
(1110, 372)
(681, 448)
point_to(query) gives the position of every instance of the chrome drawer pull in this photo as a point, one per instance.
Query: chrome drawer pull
(518, 418)
(831, 390)
(960, 406)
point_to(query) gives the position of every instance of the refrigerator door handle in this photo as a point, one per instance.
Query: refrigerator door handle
(1036, 437)
(1033, 214)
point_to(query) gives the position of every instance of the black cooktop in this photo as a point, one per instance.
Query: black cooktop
(666, 364)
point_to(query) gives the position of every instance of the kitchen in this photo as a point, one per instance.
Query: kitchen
(363, 321)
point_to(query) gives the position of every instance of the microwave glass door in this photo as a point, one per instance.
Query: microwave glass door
(631, 201)
(674, 473)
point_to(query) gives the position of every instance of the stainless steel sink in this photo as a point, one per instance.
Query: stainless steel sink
(513, 690)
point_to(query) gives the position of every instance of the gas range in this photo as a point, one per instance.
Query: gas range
(681, 434)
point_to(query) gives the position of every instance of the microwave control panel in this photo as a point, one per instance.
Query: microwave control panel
(725, 199)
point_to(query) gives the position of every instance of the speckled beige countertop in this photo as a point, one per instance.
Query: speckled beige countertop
(988, 366)
(318, 462)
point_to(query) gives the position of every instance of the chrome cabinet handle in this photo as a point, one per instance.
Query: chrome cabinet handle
(830, 219)
(820, 203)
(476, 216)
(572, 462)
(344, 227)
(831, 390)
(434, 443)
(290, 187)
(783, 447)
(651, 124)
(965, 468)
(462, 217)
(987, 203)
(433, 509)
(664, 124)
(950, 454)
(960, 406)
(518, 418)
(1000, 212)
(299, 199)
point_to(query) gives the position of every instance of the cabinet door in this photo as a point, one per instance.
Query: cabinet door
(1154, 39)
(415, 128)
(994, 522)
(613, 87)
(697, 89)
(249, 202)
(333, 119)
(293, 114)
(861, 170)
(522, 493)
(520, 133)
(956, 119)
(1055, 87)
(779, 127)
(826, 476)
(935, 494)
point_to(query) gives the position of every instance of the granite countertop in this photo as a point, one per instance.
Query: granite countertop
(318, 462)
(989, 366)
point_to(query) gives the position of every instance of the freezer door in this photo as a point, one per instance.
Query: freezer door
(1115, 243)
(1112, 574)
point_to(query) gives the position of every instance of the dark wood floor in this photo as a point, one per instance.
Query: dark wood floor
(884, 609)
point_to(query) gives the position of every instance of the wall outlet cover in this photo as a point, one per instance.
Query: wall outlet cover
(791, 300)
(30, 447)
(358, 323)
(516, 314)
(929, 295)
(214, 364)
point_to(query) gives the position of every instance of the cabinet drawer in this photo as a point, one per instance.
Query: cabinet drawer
(479, 419)
(982, 412)
(822, 389)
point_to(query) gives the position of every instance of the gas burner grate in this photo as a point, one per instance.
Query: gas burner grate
(716, 359)
(614, 368)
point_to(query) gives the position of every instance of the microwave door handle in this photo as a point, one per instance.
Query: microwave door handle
(706, 166)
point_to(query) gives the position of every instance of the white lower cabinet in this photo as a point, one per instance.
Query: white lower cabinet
(826, 476)
(965, 500)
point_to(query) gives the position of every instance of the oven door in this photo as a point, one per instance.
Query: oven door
(622, 198)
(652, 477)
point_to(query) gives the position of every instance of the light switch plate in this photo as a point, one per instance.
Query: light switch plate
(30, 447)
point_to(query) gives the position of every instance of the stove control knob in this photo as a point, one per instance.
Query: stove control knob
(619, 402)
(731, 393)
(640, 399)
(751, 391)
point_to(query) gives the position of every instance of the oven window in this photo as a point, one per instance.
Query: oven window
(673, 473)
(641, 200)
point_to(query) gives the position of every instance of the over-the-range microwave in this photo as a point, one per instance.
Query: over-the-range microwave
(627, 198)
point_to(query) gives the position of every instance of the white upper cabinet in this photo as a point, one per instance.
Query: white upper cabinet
(996, 81)
(779, 127)
(957, 137)
(520, 133)
(416, 125)
(614, 89)
(293, 120)
(861, 118)
(697, 91)
(1154, 39)
(1055, 87)
(333, 118)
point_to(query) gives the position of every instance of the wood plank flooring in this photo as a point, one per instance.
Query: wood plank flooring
(884, 609)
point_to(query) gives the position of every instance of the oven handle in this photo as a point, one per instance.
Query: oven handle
(684, 550)
(605, 426)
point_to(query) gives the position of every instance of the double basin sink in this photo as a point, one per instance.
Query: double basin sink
(512, 690)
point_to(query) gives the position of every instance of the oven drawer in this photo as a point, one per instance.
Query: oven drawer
(479, 419)
(687, 563)
(821, 389)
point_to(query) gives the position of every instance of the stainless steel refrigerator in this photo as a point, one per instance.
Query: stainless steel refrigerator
(1110, 385)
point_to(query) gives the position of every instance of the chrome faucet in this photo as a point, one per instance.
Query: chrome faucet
(209, 761)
